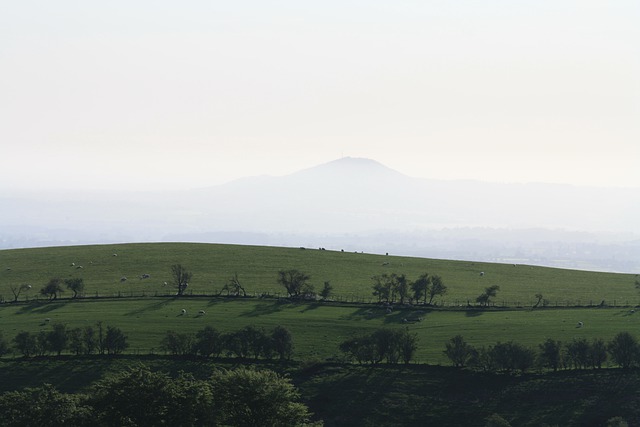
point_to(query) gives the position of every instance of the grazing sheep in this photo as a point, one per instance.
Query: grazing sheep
(73, 264)
(579, 325)
(201, 312)
(79, 267)
(145, 276)
(123, 279)
(183, 311)
(481, 273)
(115, 254)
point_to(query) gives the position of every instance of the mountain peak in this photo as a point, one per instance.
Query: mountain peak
(350, 166)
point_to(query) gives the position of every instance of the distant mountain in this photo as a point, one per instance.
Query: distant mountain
(349, 199)
(352, 194)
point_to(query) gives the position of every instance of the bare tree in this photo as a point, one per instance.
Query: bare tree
(181, 278)
(294, 281)
(17, 290)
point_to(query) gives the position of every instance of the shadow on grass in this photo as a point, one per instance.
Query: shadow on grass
(388, 317)
(310, 306)
(151, 307)
(266, 308)
(473, 313)
(41, 307)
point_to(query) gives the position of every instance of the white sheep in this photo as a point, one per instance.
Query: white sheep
(201, 313)
(580, 325)
(123, 279)
(183, 311)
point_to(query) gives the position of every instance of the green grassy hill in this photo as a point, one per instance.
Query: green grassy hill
(349, 273)
(317, 328)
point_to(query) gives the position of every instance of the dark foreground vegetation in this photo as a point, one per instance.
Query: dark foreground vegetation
(170, 391)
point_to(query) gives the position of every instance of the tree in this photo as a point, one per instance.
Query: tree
(484, 298)
(233, 287)
(539, 299)
(363, 349)
(76, 343)
(52, 289)
(57, 338)
(437, 288)
(551, 354)
(17, 290)
(577, 353)
(419, 287)
(140, 397)
(44, 406)
(177, 343)
(326, 291)
(248, 397)
(4, 345)
(25, 343)
(597, 353)
(293, 281)
(458, 351)
(209, 342)
(115, 341)
(181, 278)
(76, 285)
(90, 340)
(282, 342)
(407, 346)
(624, 350)
(401, 286)
(382, 287)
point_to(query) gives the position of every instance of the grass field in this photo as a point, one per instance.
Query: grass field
(318, 328)
(339, 394)
(349, 273)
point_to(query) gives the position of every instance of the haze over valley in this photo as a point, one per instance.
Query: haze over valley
(351, 204)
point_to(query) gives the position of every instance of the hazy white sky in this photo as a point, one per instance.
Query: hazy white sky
(164, 94)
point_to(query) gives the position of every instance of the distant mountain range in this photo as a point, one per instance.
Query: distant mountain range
(352, 203)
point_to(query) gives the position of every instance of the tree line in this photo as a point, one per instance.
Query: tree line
(101, 339)
(508, 357)
(139, 397)
(390, 345)
(248, 342)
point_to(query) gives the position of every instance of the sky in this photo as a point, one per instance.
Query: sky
(143, 95)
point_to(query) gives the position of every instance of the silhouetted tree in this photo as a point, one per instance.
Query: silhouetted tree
(458, 351)
(115, 341)
(419, 287)
(294, 281)
(437, 288)
(484, 298)
(209, 342)
(326, 291)
(76, 285)
(624, 350)
(17, 290)
(551, 354)
(181, 278)
(282, 342)
(52, 289)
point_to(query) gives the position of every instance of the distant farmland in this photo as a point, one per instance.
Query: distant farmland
(103, 266)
